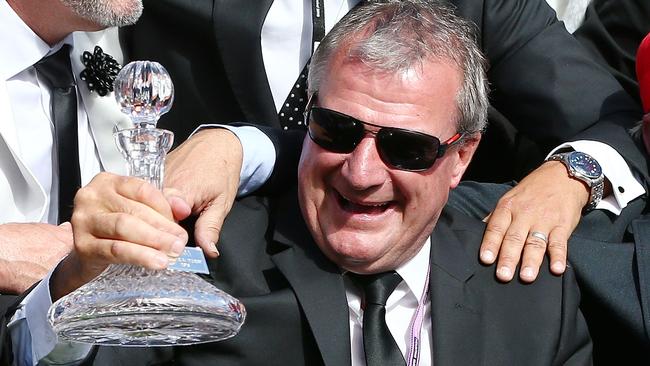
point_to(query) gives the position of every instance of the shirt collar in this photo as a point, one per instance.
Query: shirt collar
(20, 47)
(414, 275)
(415, 271)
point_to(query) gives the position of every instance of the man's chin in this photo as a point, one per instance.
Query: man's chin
(362, 264)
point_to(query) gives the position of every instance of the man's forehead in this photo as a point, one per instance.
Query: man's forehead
(426, 92)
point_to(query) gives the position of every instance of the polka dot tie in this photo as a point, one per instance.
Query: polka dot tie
(291, 113)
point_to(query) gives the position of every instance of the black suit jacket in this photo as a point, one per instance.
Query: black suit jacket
(610, 256)
(611, 32)
(298, 313)
(545, 87)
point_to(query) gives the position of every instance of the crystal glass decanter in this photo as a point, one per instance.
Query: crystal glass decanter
(130, 305)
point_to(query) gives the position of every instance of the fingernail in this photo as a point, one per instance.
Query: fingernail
(505, 272)
(162, 261)
(557, 267)
(487, 256)
(527, 273)
(177, 247)
(213, 249)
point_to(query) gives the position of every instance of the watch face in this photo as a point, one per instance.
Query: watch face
(585, 165)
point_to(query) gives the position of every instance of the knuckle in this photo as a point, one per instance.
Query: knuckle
(114, 249)
(143, 191)
(85, 194)
(514, 237)
(495, 228)
(508, 259)
(79, 218)
(557, 244)
(216, 231)
(506, 202)
(535, 243)
(120, 224)
(102, 176)
(527, 207)
(162, 240)
(214, 227)
(517, 204)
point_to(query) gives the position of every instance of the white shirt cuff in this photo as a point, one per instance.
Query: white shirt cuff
(31, 319)
(32, 336)
(625, 186)
(259, 156)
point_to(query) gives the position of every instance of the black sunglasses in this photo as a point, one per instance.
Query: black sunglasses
(399, 148)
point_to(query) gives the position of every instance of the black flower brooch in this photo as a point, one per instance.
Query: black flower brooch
(100, 72)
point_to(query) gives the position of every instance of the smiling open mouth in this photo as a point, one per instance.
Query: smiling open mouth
(369, 208)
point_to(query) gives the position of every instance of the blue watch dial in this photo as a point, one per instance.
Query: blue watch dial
(585, 165)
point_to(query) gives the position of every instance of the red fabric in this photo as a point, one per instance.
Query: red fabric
(643, 72)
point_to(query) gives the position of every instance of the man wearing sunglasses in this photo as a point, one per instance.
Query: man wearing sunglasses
(242, 60)
(398, 104)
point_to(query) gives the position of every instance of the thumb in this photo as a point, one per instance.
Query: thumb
(208, 228)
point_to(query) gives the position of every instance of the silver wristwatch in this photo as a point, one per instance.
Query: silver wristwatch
(585, 168)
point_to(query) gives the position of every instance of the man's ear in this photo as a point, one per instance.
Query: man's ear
(464, 153)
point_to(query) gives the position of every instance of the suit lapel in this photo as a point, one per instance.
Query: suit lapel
(238, 28)
(103, 113)
(456, 319)
(22, 198)
(318, 285)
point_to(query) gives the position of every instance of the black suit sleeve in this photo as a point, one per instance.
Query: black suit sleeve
(6, 302)
(611, 32)
(8, 306)
(547, 85)
(288, 145)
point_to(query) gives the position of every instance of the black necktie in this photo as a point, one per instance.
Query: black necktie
(379, 346)
(291, 113)
(57, 72)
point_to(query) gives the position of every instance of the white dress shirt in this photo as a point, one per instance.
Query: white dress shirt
(287, 40)
(400, 309)
(571, 12)
(29, 98)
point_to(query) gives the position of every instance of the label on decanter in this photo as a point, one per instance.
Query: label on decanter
(192, 260)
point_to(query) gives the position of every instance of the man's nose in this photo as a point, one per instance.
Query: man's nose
(363, 167)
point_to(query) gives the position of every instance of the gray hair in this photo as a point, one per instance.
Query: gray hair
(397, 35)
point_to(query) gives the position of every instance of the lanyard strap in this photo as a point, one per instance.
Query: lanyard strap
(318, 22)
(413, 354)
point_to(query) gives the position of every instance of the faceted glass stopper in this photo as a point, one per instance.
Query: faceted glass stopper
(144, 91)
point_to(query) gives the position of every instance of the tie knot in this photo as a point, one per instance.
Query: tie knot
(377, 287)
(56, 68)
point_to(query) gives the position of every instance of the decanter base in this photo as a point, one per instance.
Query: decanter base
(162, 329)
(132, 306)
